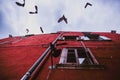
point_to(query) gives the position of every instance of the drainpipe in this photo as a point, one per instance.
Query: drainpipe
(35, 65)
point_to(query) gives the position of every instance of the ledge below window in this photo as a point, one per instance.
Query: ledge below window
(75, 66)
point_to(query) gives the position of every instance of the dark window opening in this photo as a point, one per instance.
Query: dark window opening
(83, 57)
(70, 37)
(92, 36)
(71, 58)
(81, 53)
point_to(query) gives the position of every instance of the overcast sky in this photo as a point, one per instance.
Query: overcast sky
(102, 16)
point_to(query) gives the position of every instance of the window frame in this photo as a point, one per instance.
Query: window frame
(101, 38)
(69, 38)
(94, 64)
(64, 57)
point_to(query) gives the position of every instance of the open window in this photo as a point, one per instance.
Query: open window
(69, 38)
(75, 56)
(97, 37)
(78, 58)
(71, 56)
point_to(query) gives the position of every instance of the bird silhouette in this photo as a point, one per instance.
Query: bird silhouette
(62, 18)
(27, 30)
(87, 5)
(21, 4)
(36, 10)
(41, 30)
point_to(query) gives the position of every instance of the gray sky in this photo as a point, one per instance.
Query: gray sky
(102, 16)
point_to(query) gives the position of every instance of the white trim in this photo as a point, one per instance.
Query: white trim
(104, 38)
(100, 38)
(63, 56)
(84, 38)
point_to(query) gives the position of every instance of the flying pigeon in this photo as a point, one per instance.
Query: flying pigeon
(27, 30)
(36, 8)
(41, 30)
(63, 18)
(88, 4)
(20, 4)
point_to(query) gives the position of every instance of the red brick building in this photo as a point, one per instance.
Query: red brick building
(61, 56)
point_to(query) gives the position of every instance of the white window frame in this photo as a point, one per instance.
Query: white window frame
(63, 58)
(92, 63)
(101, 38)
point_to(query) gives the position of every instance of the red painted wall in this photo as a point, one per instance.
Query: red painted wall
(18, 54)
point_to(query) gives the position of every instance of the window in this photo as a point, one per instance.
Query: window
(69, 38)
(78, 58)
(84, 38)
(89, 36)
(75, 56)
(104, 38)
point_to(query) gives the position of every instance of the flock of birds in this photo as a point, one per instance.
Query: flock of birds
(23, 4)
(63, 18)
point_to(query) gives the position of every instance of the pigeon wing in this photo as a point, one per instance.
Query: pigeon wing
(89, 4)
(36, 8)
(60, 19)
(65, 19)
(41, 30)
(32, 12)
(85, 5)
(19, 4)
